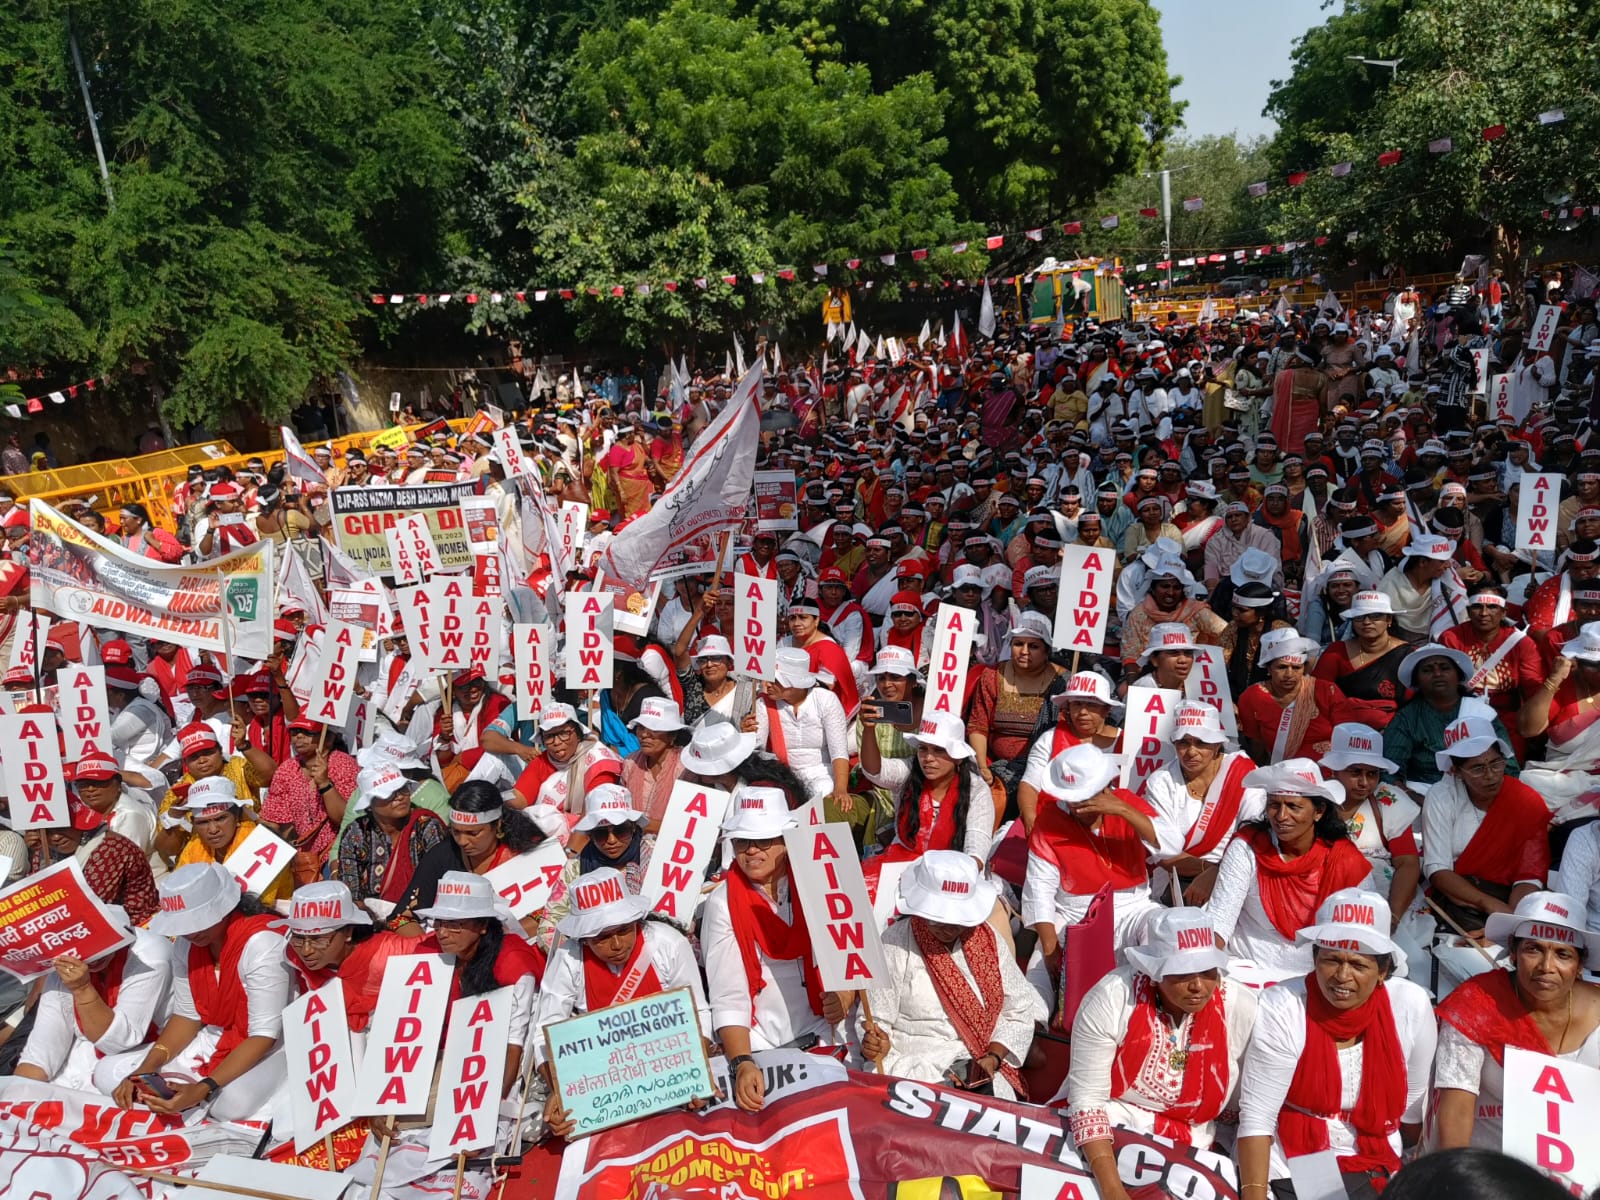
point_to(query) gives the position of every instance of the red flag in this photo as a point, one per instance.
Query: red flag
(918, 255)
(730, 279)
(994, 243)
(1578, 211)
(671, 285)
(852, 263)
(1072, 227)
(1320, 241)
(1389, 158)
(568, 294)
(617, 289)
(1296, 178)
(1149, 212)
(786, 274)
(380, 299)
(472, 297)
(422, 299)
(521, 296)
(1217, 258)
(1494, 133)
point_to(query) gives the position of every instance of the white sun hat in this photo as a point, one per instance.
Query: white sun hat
(1177, 941)
(1168, 635)
(1439, 549)
(896, 660)
(758, 812)
(1201, 721)
(213, 791)
(378, 782)
(601, 901)
(717, 747)
(1079, 773)
(1356, 745)
(556, 715)
(1088, 685)
(660, 715)
(946, 886)
(945, 731)
(1586, 645)
(323, 906)
(1544, 917)
(1291, 777)
(1254, 565)
(1417, 657)
(1353, 919)
(1284, 643)
(194, 897)
(1032, 625)
(794, 668)
(608, 804)
(1468, 736)
(713, 645)
(464, 896)
(1367, 604)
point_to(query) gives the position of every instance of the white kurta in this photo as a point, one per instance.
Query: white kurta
(1169, 795)
(814, 734)
(779, 1013)
(1463, 1064)
(1579, 876)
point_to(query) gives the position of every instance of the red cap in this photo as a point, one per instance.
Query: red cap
(252, 685)
(203, 675)
(97, 768)
(83, 817)
(197, 737)
(15, 518)
(16, 677)
(832, 575)
(304, 724)
(470, 675)
(124, 677)
(285, 629)
(58, 637)
(116, 653)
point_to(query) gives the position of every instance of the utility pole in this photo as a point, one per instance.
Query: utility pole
(88, 107)
(1166, 221)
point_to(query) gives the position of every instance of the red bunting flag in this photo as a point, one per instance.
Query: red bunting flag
(1389, 158)
(1320, 241)
(852, 263)
(617, 290)
(1494, 133)
(1072, 227)
(522, 296)
(918, 255)
(1149, 212)
(730, 280)
(472, 297)
(379, 299)
(1296, 178)
(671, 285)
(995, 242)
(786, 274)
(1216, 258)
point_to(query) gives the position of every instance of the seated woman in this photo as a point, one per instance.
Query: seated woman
(1366, 665)
(1203, 798)
(710, 691)
(1081, 718)
(1277, 872)
(1156, 1044)
(609, 954)
(570, 764)
(329, 938)
(1412, 739)
(941, 802)
(1340, 1059)
(1258, 608)
(1542, 1004)
(1089, 833)
(651, 770)
(1006, 703)
(1292, 714)
(954, 1009)
(615, 837)
(116, 870)
(221, 824)
(305, 802)
(202, 758)
(221, 1047)
(1563, 709)
(380, 850)
(1485, 836)
(92, 1009)
(764, 988)
(1380, 817)
(806, 725)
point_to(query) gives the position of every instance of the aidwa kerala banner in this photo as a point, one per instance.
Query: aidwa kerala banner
(827, 1133)
(362, 514)
(81, 576)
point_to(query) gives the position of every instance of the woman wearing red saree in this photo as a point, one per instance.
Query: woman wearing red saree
(1298, 399)
(1291, 714)
(1568, 704)
(626, 468)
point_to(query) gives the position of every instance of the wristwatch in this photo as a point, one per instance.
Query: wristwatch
(738, 1061)
(211, 1085)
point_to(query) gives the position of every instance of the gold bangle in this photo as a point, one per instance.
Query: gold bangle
(1262, 1186)
(164, 1050)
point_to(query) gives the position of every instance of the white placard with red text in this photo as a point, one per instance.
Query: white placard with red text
(1480, 360)
(259, 859)
(1549, 1116)
(953, 632)
(464, 1117)
(572, 524)
(591, 647)
(26, 651)
(413, 557)
(1500, 398)
(833, 896)
(465, 629)
(322, 1075)
(1083, 603)
(1208, 683)
(1544, 327)
(510, 452)
(32, 771)
(526, 881)
(403, 1039)
(333, 680)
(50, 913)
(530, 655)
(688, 835)
(1147, 727)
(85, 717)
(755, 626)
(1538, 503)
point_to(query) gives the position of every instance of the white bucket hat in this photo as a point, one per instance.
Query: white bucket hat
(758, 812)
(1177, 941)
(1079, 773)
(1353, 919)
(969, 575)
(659, 715)
(608, 804)
(323, 906)
(1468, 736)
(601, 901)
(1088, 685)
(1356, 745)
(1254, 566)
(1366, 604)
(392, 750)
(556, 715)
(1032, 624)
(1200, 721)
(193, 898)
(1168, 635)
(1284, 643)
(946, 886)
(945, 731)
(1427, 546)
(794, 668)
(896, 660)
(717, 747)
(713, 645)
(1412, 661)
(1586, 645)
(379, 782)
(1544, 917)
(1291, 777)
(463, 896)
(211, 792)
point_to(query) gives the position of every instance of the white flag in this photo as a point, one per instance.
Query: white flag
(879, 351)
(708, 495)
(301, 465)
(863, 346)
(738, 356)
(923, 337)
(986, 313)
(294, 583)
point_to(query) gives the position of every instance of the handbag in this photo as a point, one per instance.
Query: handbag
(305, 867)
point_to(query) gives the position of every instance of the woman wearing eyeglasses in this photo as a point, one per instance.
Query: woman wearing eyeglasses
(330, 937)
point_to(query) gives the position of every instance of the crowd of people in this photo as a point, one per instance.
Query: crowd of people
(1358, 881)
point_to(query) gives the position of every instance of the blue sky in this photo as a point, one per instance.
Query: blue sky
(1229, 52)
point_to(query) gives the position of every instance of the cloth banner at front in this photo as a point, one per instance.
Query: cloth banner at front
(80, 576)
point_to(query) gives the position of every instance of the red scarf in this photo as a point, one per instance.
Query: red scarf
(398, 877)
(517, 959)
(1314, 1092)
(272, 738)
(218, 991)
(936, 823)
(1293, 889)
(759, 930)
(602, 988)
(1511, 844)
(975, 1015)
(1205, 1074)
(1087, 861)
(1488, 1010)
(828, 655)
(1218, 820)
(780, 744)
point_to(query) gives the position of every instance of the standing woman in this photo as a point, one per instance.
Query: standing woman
(1339, 1060)
(1006, 704)
(133, 526)
(764, 988)
(626, 472)
(1366, 665)
(1543, 1004)
(711, 693)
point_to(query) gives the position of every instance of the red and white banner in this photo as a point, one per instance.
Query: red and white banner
(1083, 603)
(1538, 502)
(684, 844)
(525, 881)
(591, 646)
(530, 655)
(755, 625)
(1147, 727)
(413, 557)
(85, 719)
(25, 650)
(333, 679)
(509, 450)
(1208, 683)
(463, 629)
(1549, 1104)
(300, 465)
(833, 895)
(322, 1077)
(1480, 361)
(953, 631)
(259, 859)
(51, 913)
(571, 528)
(1500, 398)
(709, 494)
(464, 1116)
(403, 1039)
(31, 765)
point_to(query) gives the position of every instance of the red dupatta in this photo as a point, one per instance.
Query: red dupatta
(1293, 889)
(1205, 1070)
(397, 879)
(602, 987)
(1218, 818)
(217, 989)
(936, 822)
(759, 930)
(1088, 861)
(1512, 843)
(975, 1013)
(1488, 1010)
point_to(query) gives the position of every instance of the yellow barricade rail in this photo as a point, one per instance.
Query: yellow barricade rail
(152, 479)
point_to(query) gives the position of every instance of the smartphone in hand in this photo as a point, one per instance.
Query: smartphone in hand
(153, 1083)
